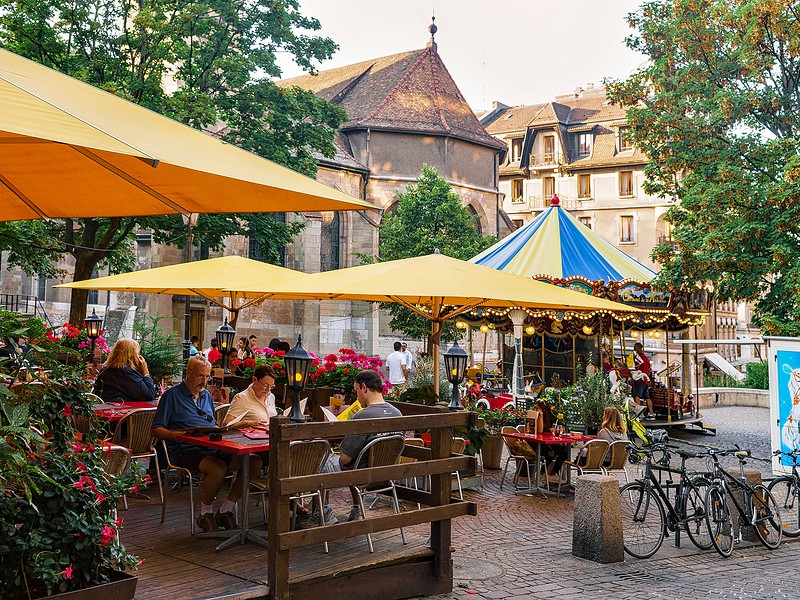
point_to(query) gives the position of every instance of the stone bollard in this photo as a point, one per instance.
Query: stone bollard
(597, 521)
(748, 534)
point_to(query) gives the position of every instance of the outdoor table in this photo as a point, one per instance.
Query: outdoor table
(235, 442)
(113, 412)
(546, 438)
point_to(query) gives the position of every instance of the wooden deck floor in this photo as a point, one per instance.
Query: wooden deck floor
(178, 565)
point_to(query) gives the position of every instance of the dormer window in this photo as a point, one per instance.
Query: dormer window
(625, 141)
(584, 143)
(516, 150)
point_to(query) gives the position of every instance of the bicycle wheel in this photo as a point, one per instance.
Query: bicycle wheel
(767, 518)
(694, 513)
(642, 520)
(785, 491)
(718, 519)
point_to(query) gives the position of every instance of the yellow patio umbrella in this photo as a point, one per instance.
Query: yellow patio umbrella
(215, 279)
(437, 287)
(68, 149)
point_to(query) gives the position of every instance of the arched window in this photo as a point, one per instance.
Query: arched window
(476, 218)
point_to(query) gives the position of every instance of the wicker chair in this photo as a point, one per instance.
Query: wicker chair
(220, 412)
(116, 460)
(596, 451)
(133, 432)
(420, 443)
(380, 452)
(305, 458)
(524, 456)
(617, 458)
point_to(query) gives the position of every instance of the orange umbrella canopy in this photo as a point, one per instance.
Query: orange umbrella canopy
(68, 149)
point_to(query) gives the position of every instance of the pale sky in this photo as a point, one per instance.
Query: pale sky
(514, 51)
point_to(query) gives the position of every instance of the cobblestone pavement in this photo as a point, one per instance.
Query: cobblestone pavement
(520, 546)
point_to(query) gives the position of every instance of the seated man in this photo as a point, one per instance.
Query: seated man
(256, 404)
(186, 406)
(368, 386)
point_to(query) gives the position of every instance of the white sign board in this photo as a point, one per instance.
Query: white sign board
(784, 397)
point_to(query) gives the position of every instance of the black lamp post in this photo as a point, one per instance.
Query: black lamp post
(298, 362)
(455, 363)
(225, 336)
(93, 325)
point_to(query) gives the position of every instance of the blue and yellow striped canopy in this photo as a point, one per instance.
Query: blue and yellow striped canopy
(556, 245)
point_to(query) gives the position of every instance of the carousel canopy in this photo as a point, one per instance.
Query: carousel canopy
(556, 245)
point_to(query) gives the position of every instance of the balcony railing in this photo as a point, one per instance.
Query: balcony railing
(23, 304)
(544, 160)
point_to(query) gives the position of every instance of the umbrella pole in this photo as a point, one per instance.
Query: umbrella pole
(190, 222)
(436, 337)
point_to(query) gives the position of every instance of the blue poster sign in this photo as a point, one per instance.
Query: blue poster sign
(788, 367)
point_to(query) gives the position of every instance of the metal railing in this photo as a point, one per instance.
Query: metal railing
(25, 305)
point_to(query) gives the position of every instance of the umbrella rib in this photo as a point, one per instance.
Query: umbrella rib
(18, 193)
(74, 116)
(409, 306)
(135, 182)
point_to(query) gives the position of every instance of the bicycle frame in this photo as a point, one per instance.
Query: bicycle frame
(730, 483)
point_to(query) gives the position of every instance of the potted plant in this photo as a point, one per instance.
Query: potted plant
(72, 343)
(495, 420)
(420, 388)
(589, 398)
(337, 373)
(59, 531)
(161, 350)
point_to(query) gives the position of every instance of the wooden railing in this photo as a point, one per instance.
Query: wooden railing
(418, 577)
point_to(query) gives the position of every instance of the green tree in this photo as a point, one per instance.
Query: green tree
(218, 61)
(716, 109)
(429, 216)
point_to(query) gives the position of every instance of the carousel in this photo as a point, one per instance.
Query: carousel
(556, 248)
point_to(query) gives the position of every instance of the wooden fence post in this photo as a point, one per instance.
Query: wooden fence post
(278, 561)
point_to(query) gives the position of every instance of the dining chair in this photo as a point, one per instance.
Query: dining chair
(116, 460)
(194, 477)
(220, 412)
(594, 456)
(305, 458)
(133, 432)
(617, 458)
(458, 446)
(522, 454)
(480, 424)
(380, 452)
(412, 482)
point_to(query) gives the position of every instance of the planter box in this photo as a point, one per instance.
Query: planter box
(492, 452)
(121, 587)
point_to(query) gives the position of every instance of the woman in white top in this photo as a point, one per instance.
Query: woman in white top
(256, 404)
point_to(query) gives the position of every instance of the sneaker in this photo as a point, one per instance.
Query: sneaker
(330, 518)
(650, 418)
(355, 514)
(226, 520)
(206, 522)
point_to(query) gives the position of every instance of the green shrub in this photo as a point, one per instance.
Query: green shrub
(161, 350)
(757, 376)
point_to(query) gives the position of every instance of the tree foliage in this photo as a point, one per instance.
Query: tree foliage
(716, 108)
(429, 216)
(201, 63)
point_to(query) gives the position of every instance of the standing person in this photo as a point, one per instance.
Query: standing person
(368, 386)
(243, 348)
(396, 363)
(409, 358)
(186, 406)
(257, 402)
(639, 366)
(125, 375)
(253, 341)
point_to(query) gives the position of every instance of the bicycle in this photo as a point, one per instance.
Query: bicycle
(648, 514)
(786, 491)
(758, 508)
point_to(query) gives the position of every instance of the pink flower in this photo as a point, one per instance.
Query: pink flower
(85, 482)
(67, 410)
(80, 535)
(99, 497)
(77, 447)
(118, 522)
(81, 468)
(67, 573)
(108, 534)
(148, 480)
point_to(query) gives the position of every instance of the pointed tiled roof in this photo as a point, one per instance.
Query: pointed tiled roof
(410, 91)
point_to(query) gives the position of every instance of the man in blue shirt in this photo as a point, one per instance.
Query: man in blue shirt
(186, 406)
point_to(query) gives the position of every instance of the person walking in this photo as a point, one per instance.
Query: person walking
(396, 363)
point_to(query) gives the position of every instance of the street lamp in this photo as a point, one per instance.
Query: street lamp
(93, 325)
(297, 362)
(484, 331)
(225, 336)
(455, 363)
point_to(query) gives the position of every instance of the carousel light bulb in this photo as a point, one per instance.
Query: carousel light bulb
(656, 334)
(530, 329)
(484, 328)
(635, 334)
(587, 330)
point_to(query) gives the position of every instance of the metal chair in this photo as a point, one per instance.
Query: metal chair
(380, 452)
(305, 458)
(133, 432)
(420, 443)
(617, 458)
(595, 455)
(458, 446)
(193, 477)
(523, 455)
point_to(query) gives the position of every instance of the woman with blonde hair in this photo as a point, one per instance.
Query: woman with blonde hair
(125, 376)
(613, 427)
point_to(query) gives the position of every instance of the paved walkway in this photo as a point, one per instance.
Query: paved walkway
(520, 546)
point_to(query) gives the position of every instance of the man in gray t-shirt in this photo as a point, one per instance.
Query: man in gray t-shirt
(369, 392)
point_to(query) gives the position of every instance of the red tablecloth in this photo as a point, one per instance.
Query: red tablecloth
(114, 411)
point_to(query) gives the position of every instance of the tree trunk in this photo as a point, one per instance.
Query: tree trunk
(84, 266)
